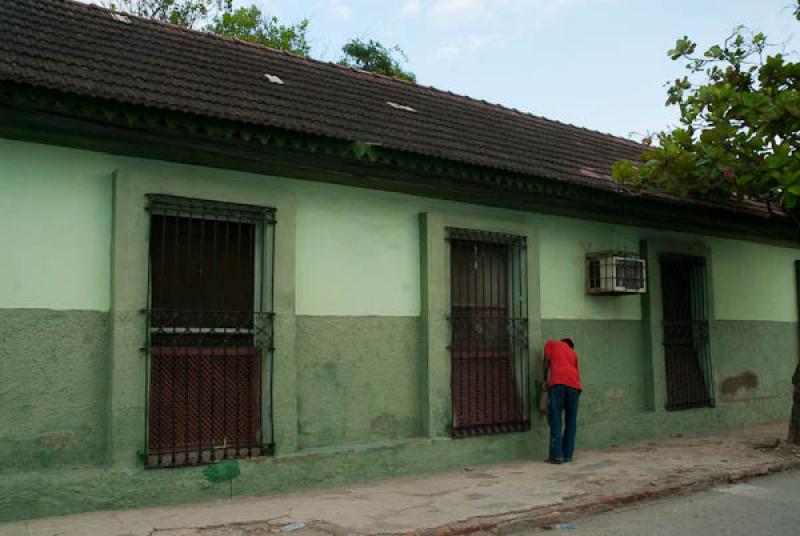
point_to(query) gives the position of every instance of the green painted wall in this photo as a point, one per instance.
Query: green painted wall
(358, 379)
(39, 494)
(59, 200)
(753, 363)
(564, 245)
(356, 385)
(612, 358)
(53, 379)
(336, 225)
(754, 281)
(46, 493)
(55, 209)
(754, 360)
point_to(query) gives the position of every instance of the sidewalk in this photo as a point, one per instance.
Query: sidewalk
(492, 499)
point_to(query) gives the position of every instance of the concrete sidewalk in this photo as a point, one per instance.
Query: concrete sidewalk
(495, 499)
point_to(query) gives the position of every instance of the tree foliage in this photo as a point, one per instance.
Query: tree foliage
(246, 23)
(739, 129)
(250, 24)
(187, 13)
(375, 57)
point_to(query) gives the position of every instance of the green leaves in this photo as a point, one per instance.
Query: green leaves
(375, 57)
(250, 24)
(182, 12)
(739, 131)
(683, 47)
(245, 23)
(714, 52)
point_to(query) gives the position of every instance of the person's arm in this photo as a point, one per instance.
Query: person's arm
(546, 367)
(546, 371)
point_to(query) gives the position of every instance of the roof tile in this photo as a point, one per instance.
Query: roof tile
(82, 49)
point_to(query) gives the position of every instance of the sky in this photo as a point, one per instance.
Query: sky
(599, 64)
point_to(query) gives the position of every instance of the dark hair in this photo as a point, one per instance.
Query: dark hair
(569, 342)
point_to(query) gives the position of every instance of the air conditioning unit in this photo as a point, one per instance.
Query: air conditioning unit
(615, 274)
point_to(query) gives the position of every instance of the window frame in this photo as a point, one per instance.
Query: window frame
(651, 248)
(435, 305)
(692, 330)
(499, 378)
(255, 353)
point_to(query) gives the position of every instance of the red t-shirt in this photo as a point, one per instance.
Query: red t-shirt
(563, 364)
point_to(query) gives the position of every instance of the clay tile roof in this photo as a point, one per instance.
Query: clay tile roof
(82, 49)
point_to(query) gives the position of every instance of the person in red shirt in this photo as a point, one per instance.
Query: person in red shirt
(563, 384)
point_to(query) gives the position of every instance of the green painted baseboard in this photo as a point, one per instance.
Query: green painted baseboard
(358, 418)
(47, 493)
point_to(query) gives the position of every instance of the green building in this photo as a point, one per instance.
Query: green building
(215, 250)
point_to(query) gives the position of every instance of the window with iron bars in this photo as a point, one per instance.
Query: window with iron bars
(489, 333)
(209, 331)
(687, 353)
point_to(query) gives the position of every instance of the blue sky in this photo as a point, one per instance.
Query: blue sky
(600, 64)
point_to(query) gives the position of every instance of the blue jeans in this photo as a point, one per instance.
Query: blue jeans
(562, 400)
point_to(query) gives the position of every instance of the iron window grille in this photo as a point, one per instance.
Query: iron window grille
(687, 352)
(615, 273)
(490, 383)
(209, 331)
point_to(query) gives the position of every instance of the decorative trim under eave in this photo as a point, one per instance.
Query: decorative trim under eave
(433, 177)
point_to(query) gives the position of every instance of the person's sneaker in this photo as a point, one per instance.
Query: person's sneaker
(553, 461)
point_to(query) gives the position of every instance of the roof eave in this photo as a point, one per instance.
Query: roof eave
(48, 117)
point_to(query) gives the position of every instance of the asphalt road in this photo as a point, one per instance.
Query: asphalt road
(768, 506)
